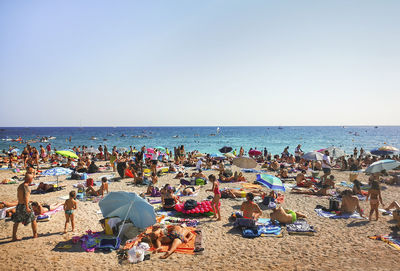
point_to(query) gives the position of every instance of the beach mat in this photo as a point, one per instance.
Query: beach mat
(391, 240)
(333, 215)
(300, 227)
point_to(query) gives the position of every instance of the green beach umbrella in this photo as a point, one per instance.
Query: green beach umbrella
(67, 154)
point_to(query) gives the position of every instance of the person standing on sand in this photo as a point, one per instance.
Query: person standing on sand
(326, 165)
(24, 212)
(374, 193)
(70, 206)
(215, 204)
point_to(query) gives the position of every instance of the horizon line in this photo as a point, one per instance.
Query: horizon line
(160, 126)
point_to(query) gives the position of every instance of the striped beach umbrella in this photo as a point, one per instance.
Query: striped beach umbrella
(378, 166)
(271, 182)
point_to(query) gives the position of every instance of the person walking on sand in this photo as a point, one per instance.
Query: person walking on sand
(215, 204)
(374, 194)
(70, 206)
(24, 212)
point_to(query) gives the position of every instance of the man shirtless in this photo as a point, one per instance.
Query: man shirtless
(350, 203)
(284, 216)
(302, 181)
(249, 208)
(24, 212)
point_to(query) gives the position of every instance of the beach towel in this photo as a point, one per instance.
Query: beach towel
(394, 241)
(300, 227)
(333, 215)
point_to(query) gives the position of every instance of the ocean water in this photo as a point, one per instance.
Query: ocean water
(208, 140)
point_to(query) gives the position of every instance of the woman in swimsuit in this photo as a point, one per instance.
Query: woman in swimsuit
(169, 200)
(215, 204)
(174, 235)
(374, 193)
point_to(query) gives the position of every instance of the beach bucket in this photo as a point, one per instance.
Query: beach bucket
(353, 176)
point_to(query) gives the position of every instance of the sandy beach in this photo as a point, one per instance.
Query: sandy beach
(340, 244)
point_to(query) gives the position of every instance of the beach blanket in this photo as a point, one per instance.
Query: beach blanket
(394, 241)
(263, 227)
(333, 215)
(55, 210)
(300, 227)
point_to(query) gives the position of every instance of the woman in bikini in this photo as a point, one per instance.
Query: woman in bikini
(215, 204)
(374, 193)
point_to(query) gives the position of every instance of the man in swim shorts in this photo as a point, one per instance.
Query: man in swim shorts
(284, 216)
(24, 212)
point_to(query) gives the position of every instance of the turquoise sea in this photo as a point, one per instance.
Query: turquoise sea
(210, 139)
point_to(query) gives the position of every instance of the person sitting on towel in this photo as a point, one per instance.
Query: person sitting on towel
(250, 209)
(350, 203)
(103, 188)
(284, 216)
(302, 181)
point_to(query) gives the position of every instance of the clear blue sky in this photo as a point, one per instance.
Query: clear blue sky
(150, 63)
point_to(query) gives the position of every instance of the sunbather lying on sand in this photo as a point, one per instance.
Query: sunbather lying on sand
(240, 193)
(310, 191)
(284, 216)
(174, 235)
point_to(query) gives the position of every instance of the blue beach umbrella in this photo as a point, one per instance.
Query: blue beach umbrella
(378, 166)
(57, 171)
(271, 182)
(128, 205)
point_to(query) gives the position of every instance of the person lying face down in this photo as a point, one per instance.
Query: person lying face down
(284, 216)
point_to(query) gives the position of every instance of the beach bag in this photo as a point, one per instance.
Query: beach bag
(155, 192)
(109, 244)
(200, 181)
(333, 204)
(244, 222)
(250, 232)
(75, 176)
(89, 182)
(185, 182)
(228, 173)
(190, 204)
(267, 200)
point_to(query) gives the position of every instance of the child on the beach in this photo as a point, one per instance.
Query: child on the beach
(154, 178)
(215, 204)
(374, 193)
(70, 206)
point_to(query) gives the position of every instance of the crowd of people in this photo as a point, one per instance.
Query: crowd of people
(144, 166)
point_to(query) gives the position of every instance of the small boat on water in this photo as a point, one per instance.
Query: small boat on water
(175, 136)
(93, 138)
